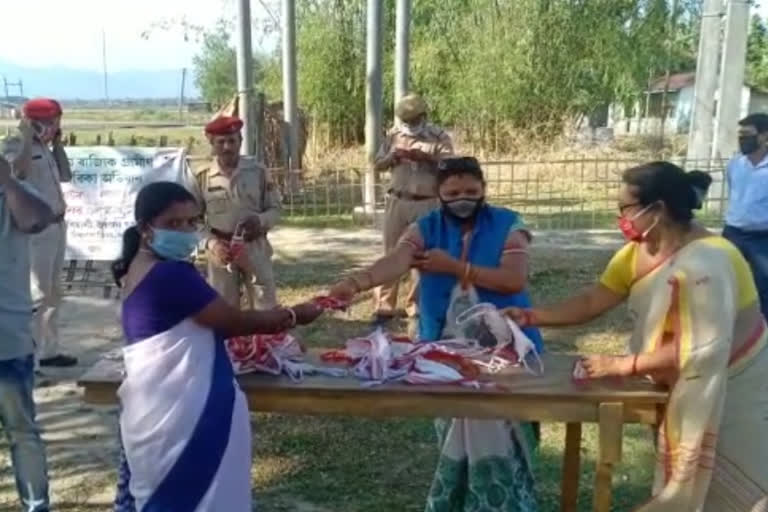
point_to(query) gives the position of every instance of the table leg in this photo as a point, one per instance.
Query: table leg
(611, 421)
(569, 498)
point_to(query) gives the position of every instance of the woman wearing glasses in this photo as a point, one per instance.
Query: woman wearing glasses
(698, 330)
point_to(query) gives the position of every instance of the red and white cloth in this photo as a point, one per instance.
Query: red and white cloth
(274, 354)
(379, 358)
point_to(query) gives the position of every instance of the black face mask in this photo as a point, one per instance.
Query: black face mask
(748, 144)
(463, 209)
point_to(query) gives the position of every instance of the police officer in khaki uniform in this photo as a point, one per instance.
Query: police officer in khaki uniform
(44, 165)
(410, 152)
(236, 193)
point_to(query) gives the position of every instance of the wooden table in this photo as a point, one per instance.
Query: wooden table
(551, 398)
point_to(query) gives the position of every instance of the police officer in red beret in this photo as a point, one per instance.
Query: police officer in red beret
(238, 199)
(45, 166)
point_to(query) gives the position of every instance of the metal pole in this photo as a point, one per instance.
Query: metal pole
(181, 93)
(373, 102)
(402, 31)
(245, 73)
(290, 107)
(702, 119)
(730, 105)
(104, 63)
(259, 127)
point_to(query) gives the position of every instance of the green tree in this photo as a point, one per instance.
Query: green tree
(757, 53)
(216, 65)
(493, 66)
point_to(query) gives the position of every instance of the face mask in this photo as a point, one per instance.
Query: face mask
(748, 144)
(463, 209)
(173, 245)
(630, 231)
(413, 129)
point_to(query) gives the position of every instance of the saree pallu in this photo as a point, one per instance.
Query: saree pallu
(184, 424)
(712, 450)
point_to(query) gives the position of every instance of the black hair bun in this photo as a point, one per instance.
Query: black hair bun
(699, 182)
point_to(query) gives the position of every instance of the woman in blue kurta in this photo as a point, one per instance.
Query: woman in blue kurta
(484, 465)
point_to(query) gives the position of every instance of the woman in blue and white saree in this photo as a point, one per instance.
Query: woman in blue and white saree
(185, 426)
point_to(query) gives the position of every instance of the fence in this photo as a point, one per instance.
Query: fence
(555, 195)
(564, 194)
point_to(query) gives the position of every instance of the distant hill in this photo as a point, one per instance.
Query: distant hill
(71, 84)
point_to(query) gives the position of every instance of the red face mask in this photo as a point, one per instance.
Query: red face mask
(629, 230)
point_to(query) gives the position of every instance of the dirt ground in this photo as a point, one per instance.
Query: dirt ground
(81, 438)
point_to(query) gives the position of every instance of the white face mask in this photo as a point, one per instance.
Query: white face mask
(414, 130)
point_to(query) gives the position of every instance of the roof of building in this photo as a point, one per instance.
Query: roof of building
(679, 81)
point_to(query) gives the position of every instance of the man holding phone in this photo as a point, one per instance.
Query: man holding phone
(45, 166)
(410, 151)
(22, 212)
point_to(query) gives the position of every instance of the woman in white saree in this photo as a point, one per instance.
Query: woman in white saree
(185, 426)
(698, 330)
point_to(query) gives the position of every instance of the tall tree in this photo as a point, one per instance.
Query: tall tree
(757, 53)
(216, 65)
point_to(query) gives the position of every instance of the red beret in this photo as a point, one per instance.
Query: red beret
(42, 109)
(225, 125)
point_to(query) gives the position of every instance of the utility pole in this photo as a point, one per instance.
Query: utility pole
(245, 74)
(290, 93)
(732, 72)
(104, 64)
(373, 102)
(701, 129)
(402, 43)
(5, 87)
(181, 93)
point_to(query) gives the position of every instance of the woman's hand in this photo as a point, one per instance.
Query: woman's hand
(607, 366)
(521, 316)
(219, 252)
(437, 261)
(306, 313)
(344, 291)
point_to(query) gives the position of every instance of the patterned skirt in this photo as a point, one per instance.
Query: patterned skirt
(484, 465)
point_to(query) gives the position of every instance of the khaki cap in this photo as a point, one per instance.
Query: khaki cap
(410, 107)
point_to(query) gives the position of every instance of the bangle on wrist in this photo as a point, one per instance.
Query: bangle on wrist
(292, 313)
(530, 317)
(467, 272)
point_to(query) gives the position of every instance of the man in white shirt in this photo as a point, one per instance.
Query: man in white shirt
(746, 219)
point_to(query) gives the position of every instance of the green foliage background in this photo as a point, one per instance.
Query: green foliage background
(486, 66)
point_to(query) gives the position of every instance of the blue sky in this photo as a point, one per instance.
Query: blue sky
(49, 33)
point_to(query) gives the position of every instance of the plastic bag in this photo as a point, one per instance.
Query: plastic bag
(498, 332)
(461, 300)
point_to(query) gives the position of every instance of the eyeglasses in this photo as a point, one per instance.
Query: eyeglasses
(623, 207)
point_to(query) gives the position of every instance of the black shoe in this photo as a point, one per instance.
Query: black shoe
(61, 361)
